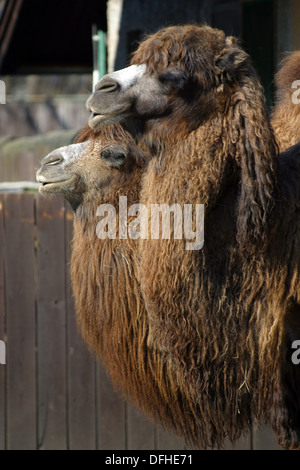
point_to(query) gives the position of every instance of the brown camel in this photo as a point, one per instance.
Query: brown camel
(191, 99)
(110, 310)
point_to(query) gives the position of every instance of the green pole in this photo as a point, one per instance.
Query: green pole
(101, 53)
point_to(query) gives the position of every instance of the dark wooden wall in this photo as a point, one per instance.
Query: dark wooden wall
(53, 393)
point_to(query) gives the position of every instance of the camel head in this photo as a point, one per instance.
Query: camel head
(179, 75)
(188, 82)
(88, 170)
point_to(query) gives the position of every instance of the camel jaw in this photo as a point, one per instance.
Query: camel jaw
(55, 186)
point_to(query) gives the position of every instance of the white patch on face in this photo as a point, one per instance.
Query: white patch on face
(61, 156)
(128, 76)
(70, 152)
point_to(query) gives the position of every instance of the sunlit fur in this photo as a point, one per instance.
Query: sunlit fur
(286, 112)
(224, 116)
(110, 309)
(222, 318)
(221, 314)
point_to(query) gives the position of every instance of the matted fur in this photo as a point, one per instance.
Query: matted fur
(227, 102)
(110, 310)
(221, 319)
(113, 320)
(220, 314)
(286, 112)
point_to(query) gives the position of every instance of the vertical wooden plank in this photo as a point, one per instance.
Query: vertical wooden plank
(20, 323)
(168, 441)
(81, 369)
(111, 414)
(141, 432)
(51, 323)
(2, 324)
(264, 439)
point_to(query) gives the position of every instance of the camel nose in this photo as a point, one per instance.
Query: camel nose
(53, 159)
(107, 85)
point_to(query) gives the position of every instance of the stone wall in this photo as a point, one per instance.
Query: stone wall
(36, 104)
(41, 113)
(20, 157)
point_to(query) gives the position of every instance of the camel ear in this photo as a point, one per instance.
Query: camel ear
(114, 156)
(231, 58)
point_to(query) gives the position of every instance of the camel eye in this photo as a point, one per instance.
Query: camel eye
(173, 78)
(115, 156)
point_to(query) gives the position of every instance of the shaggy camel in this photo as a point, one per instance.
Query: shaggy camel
(110, 310)
(116, 326)
(286, 113)
(224, 316)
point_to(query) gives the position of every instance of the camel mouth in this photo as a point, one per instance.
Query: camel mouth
(117, 114)
(51, 186)
(56, 186)
(96, 119)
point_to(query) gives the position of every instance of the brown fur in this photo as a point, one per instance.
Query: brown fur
(212, 351)
(286, 113)
(116, 326)
(111, 312)
(230, 103)
(224, 308)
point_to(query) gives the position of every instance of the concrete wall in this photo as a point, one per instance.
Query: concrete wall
(41, 113)
(36, 104)
(20, 157)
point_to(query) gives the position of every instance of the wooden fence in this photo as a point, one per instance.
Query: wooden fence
(53, 393)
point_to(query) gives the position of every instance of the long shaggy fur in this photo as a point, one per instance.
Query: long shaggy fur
(220, 314)
(228, 103)
(110, 310)
(286, 112)
(202, 339)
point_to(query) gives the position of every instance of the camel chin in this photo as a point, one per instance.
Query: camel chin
(97, 120)
(60, 186)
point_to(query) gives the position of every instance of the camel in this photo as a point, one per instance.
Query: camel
(286, 113)
(192, 100)
(110, 310)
